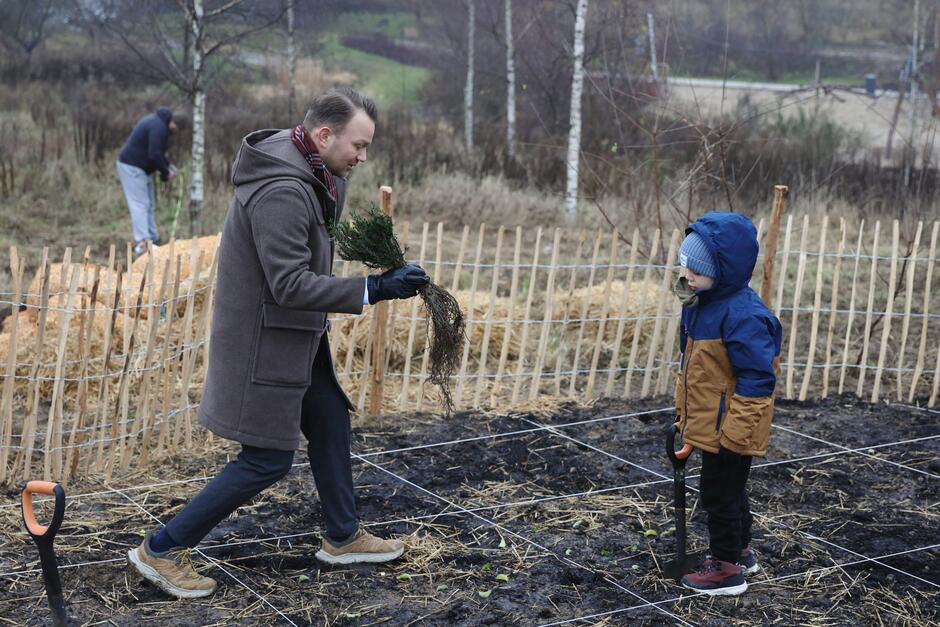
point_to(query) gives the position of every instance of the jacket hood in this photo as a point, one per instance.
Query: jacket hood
(165, 114)
(732, 240)
(265, 155)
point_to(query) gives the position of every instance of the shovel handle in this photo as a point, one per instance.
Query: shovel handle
(29, 517)
(677, 457)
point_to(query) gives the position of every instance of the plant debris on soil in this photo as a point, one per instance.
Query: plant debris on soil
(369, 237)
(527, 518)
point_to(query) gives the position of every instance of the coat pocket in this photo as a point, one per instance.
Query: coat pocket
(284, 350)
(746, 427)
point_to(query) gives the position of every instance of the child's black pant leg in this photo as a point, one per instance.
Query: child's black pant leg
(724, 498)
(746, 518)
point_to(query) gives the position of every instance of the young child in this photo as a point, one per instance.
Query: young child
(730, 346)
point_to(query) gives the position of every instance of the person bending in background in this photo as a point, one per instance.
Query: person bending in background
(730, 346)
(144, 153)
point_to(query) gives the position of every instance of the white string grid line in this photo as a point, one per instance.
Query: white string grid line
(445, 512)
(375, 453)
(754, 513)
(760, 582)
(926, 409)
(495, 525)
(857, 451)
(462, 511)
(491, 436)
(841, 452)
(214, 562)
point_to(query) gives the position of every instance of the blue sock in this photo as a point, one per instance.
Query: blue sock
(161, 541)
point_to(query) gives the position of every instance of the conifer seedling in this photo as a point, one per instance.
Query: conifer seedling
(368, 237)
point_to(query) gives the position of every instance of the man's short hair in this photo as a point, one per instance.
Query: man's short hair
(336, 107)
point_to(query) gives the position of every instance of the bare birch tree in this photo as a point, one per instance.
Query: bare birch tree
(291, 62)
(196, 15)
(510, 86)
(574, 132)
(146, 32)
(468, 89)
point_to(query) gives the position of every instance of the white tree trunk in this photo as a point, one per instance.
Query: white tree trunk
(468, 89)
(197, 183)
(291, 63)
(574, 133)
(510, 86)
(652, 37)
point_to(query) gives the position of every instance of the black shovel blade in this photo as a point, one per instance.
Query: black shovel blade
(675, 569)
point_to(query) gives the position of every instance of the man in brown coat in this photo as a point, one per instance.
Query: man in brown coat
(270, 375)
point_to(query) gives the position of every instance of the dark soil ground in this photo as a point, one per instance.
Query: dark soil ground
(529, 525)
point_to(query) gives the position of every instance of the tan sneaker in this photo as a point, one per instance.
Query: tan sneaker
(364, 547)
(172, 571)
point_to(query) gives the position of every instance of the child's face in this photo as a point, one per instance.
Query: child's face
(698, 281)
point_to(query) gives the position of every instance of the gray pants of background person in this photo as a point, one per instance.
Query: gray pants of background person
(325, 423)
(138, 189)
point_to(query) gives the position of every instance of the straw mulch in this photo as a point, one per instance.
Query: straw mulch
(564, 330)
(79, 321)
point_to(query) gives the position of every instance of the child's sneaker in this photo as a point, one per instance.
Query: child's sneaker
(717, 577)
(748, 561)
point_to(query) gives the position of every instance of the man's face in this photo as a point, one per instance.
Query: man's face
(343, 151)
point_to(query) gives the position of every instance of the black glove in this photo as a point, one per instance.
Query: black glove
(396, 283)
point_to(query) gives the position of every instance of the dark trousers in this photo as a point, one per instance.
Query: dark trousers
(724, 497)
(325, 423)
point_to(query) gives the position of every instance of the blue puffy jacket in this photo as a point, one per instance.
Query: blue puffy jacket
(730, 346)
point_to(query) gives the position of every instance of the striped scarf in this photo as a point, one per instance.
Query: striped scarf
(303, 142)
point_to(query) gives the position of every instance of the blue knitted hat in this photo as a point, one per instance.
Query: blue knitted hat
(694, 255)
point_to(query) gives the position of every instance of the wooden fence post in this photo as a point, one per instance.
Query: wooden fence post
(848, 325)
(17, 268)
(872, 289)
(817, 305)
(833, 305)
(922, 347)
(377, 380)
(889, 312)
(911, 262)
(780, 203)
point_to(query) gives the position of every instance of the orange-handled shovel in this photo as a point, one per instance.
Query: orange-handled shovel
(683, 563)
(43, 536)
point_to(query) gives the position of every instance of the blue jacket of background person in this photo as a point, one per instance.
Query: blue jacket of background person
(730, 346)
(145, 147)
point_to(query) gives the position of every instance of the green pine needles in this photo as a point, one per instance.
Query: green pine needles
(368, 237)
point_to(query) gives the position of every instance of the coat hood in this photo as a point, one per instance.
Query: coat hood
(165, 114)
(732, 240)
(265, 155)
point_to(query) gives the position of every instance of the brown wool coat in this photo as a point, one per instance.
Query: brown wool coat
(274, 291)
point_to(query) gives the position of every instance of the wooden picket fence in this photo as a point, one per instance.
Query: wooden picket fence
(102, 368)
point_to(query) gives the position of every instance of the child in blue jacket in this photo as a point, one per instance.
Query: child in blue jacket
(730, 346)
